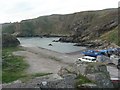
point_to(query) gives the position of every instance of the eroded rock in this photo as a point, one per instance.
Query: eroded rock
(9, 41)
(96, 72)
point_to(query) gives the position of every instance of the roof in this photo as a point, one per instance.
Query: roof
(89, 57)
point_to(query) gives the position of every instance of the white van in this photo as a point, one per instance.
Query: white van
(87, 59)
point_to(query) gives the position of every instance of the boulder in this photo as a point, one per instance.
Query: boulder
(77, 68)
(63, 71)
(95, 72)
(50, 44)
(68, 81)
(55, 41)
(101, 80)
(96, 68)
(50, 81)
(67, 70)
(9, 40)
(66, 39)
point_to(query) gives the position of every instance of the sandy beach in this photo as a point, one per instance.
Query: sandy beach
(42, 60)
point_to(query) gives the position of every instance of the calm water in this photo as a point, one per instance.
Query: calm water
(44, 43)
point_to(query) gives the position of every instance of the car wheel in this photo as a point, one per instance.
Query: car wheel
(118, 66)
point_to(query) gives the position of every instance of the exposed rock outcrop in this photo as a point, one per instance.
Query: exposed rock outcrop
(99, 74)
(9, 41)
(95, 72)
(50, 81)
(79, 75)
(80, 26)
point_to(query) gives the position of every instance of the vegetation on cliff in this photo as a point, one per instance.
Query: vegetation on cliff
(112, 36)
(81, 26)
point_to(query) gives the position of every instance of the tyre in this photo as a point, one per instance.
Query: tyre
(118, 66)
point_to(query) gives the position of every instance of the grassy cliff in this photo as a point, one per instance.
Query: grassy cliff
(112, 36)
(85, 25)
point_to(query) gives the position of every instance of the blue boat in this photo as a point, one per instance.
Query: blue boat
(92, 53)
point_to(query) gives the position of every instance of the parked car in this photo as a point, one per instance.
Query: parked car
(87, 59)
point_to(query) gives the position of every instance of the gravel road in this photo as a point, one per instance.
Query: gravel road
(45, 61)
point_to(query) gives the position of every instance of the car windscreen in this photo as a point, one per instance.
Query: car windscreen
(93, 59)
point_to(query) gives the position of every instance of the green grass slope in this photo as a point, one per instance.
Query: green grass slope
(112, 36)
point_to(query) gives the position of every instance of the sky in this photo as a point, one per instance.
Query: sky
(17, 10)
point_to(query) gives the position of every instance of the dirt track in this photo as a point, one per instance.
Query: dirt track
(45, 61)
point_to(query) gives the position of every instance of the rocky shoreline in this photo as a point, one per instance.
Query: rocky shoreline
(44, 35)
(94, 44)
(100, 44)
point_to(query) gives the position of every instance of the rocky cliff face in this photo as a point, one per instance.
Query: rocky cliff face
(91, 25)
(80, 26)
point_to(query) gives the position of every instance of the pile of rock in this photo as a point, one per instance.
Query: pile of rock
(50, 81)
(67, 76)
(96, 72)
